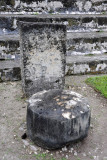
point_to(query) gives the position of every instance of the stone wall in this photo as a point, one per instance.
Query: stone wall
(53, 5)
(43, 56)
(8, 23)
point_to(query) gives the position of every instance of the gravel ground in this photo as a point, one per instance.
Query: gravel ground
(13, 118)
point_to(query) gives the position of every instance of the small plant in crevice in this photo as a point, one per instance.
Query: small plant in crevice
(103, 12)
(90, 54)
(36, 13)
(100, 31)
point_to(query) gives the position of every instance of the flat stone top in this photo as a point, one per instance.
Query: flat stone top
(58, 103)
(47, 16)
(24, 25)
(84, 59)
(9, 64)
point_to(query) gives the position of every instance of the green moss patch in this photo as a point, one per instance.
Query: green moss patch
(99, 84)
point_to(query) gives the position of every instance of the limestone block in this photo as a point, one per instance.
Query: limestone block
(42, 56)
(51, 6)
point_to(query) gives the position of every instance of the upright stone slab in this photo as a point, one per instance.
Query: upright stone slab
(43, 56)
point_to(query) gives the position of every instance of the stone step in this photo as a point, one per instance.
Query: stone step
(53, 6)
(75, 23)
(79, 43)
(86, 43)
(75, 65)
(86, 65)
(9, 47)
(10, 70)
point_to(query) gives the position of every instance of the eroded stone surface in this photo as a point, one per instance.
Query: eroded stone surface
(53, 6)
(86, 65)
(10, 70)
(10, 74)
(43, 56)
(74, 22)
(57, 117)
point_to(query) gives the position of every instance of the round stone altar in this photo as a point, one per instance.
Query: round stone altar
(57, 117)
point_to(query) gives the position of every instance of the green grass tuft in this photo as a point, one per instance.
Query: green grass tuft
(90, 54)
(99, 84)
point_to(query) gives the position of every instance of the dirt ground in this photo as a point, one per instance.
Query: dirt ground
(13, 118)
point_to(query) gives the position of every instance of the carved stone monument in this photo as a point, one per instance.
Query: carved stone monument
(43, 56)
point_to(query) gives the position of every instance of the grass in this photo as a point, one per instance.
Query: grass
(44, 156)
(40, 156)
(19, 98)
(100, 31)
(103, 12)
(99, 84)
(36, 13)
(90, 54)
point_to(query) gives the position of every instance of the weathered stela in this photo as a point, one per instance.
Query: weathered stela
(43, 56)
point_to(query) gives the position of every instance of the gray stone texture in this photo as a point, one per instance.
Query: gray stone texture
(10, 70)
(57, 117)
(96, 22)
(86, 30)
(86, 65)
(9, 47)
(74, 66)
(43, 56)
(53, 5)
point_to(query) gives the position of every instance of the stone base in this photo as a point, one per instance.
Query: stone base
(57, 117)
